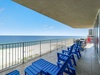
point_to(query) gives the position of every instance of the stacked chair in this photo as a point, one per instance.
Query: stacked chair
(15, 72)
(65, 63)
(79, 43)
(75, 50)
(67, 53)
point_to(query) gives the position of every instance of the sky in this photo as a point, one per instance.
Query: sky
(16, 19)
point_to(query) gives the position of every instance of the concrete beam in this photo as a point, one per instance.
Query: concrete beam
(75, 13)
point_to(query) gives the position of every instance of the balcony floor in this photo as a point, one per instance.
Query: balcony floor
(87, 65)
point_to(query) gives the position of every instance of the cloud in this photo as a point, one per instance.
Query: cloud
(2, 9)
(48, 27)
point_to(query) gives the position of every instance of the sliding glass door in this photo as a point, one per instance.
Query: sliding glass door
(97, 35)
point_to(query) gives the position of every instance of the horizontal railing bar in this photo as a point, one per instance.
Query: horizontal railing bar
(32, 41)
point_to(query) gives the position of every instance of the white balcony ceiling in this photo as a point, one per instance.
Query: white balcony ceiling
(75, 13)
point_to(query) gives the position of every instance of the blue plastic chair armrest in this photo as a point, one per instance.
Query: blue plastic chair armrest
(72, 68)
(62, 54)
(59, 64)
(62, 57)
(64, 51)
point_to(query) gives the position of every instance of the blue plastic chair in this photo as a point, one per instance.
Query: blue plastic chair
(69, 52)
(15, 72)
(32, 70)
(79, 43)
(73, 50)
(76, 50)
(64, 58)
(52, 69)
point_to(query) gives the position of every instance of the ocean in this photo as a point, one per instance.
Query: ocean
(16, 39)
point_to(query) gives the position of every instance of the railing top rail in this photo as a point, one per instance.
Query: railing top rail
(32, 41)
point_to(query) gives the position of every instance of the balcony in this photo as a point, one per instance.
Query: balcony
(87, 65)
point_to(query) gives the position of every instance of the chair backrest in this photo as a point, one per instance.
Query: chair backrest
(79, 43)
(70, 49)
(62, 69)
(75, 47)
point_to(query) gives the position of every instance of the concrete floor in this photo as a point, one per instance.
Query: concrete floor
(86, 65)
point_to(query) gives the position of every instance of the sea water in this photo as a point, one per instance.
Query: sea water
(16, 39)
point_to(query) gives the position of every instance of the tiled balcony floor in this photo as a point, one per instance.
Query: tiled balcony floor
(87, 65)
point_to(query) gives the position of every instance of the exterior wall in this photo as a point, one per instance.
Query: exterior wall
(97, 35)
(91, 33)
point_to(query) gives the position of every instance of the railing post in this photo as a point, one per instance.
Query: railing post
(73, 40)
(2, 56)
(50, 46)
(9, 54)
(57, 44)
(65, 43)
(61, 44)
(6, 56)
(23, 53)
(40, 48)
(12, 54)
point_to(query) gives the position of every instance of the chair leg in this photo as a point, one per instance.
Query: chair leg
(41, 73)
(77, 56)
(74, 60)
(25, 73)
(70, 63)
(81, 48)
(79, 53)
(73, 71)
